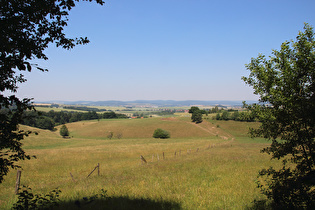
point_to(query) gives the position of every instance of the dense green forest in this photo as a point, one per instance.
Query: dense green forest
(244, 116)
(48, 120)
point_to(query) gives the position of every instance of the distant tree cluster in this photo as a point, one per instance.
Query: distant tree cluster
(47, 106)
(48, 120)
(165, 112)
(140, 115)
(235, 115)
(220, 109)
(216, 109)
(161, 112)
(84, 108)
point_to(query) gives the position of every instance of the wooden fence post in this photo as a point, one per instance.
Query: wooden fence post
(143, 160)
(72, 177)
(17, 183)
(93, 171)
(163, 156)
(98, 169)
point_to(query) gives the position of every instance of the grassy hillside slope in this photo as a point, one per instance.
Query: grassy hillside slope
(144, 128)
(215, 165)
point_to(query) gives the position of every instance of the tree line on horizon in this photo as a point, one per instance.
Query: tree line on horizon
(48, 120)
(221, 114)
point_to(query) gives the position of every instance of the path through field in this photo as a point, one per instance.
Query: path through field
(205, 126)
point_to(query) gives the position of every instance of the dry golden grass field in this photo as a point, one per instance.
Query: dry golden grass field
(212, 165)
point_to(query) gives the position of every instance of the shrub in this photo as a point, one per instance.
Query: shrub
(119, 135)
(162, 134)
(64, 131)
(110, 134)
(29, 200)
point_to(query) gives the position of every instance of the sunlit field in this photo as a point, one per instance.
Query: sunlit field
(212, 165)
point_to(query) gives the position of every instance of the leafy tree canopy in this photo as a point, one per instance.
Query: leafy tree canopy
(193, 109)
(196, 114)
(26, 29)
(161, 133)
(285, 85)
(197, 117)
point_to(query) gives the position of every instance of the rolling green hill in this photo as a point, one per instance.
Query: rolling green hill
(144, 128)
(212, 165)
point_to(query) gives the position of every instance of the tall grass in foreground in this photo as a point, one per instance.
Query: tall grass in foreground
(221, 175)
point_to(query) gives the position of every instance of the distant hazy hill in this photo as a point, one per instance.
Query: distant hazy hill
(160, 103)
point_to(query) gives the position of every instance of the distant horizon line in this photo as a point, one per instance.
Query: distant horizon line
(158, 103)
(139, 100)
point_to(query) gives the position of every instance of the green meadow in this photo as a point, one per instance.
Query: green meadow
(211, 165)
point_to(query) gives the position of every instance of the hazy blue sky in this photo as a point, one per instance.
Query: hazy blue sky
(166, 49)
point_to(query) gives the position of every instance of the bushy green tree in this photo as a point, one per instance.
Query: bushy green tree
(235, 116)
(218, 116)
(225, 115)
(64, 131)
(193, 109)
(196, 114)
(161, 133)
(247, 116)
(285, 85)
(27, 28)
(196, 117)
(214, 110)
